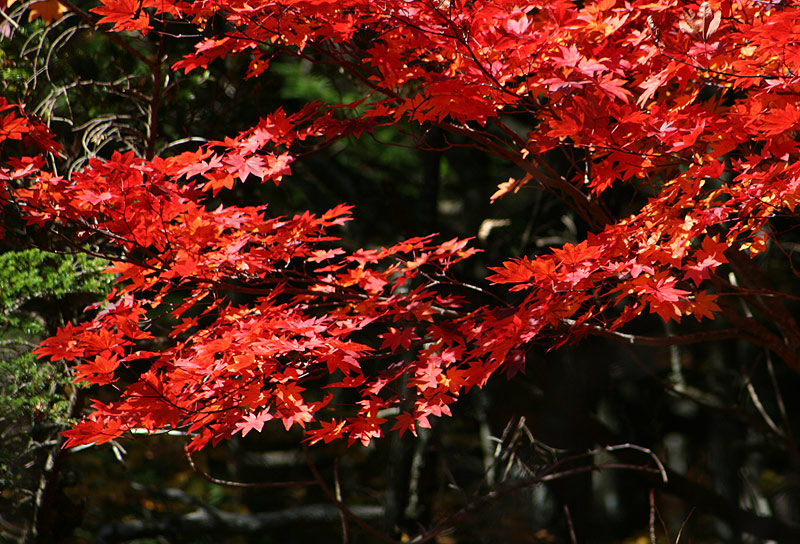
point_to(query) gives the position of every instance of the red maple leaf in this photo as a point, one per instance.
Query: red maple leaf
(253, 421)
(328, 431)
(124, 15)
(396, 338)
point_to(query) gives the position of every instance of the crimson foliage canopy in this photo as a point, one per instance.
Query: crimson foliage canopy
(693, 105)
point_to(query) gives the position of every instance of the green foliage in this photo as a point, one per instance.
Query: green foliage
(301, 81)
(27, 388)
(38, 291)
(16, 70)
(12, 75)
(33, 275)
(34, 287)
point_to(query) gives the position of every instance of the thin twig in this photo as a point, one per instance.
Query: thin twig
(778, 396)
(231, 483)
(572, 537)
(652, 520)
(9, 19)
(683, 525)
(661, 521)
(677, 340)
(591, 468)
(609, 449)
(338, 489)
(751, 391)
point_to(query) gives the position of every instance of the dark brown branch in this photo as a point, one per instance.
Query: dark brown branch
(155, 100)
(663, 341)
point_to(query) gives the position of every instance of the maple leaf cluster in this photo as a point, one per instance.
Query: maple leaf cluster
(695, 106)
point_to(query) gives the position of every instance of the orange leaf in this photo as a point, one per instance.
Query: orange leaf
(47, 10)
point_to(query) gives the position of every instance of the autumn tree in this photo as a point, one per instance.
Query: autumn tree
(662, 132)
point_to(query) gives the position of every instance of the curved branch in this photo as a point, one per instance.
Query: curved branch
(231, 483)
